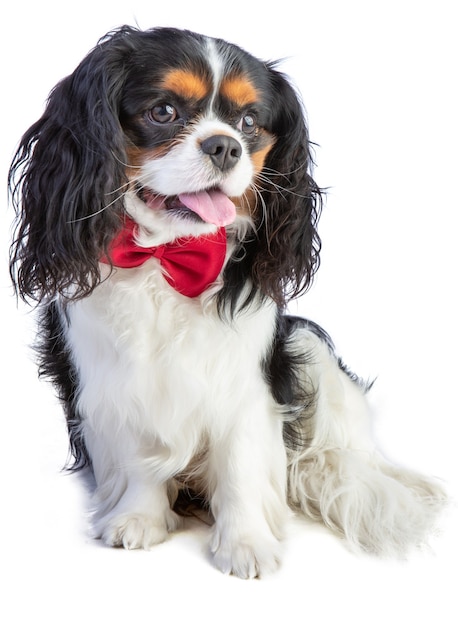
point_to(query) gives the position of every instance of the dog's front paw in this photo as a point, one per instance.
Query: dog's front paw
(134, 531)
(248, 556)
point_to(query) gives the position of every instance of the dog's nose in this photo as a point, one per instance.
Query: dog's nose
(224, 151)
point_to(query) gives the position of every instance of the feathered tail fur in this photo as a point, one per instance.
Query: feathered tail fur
(339, 477)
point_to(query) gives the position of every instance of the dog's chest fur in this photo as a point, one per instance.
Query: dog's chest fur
(172, 354)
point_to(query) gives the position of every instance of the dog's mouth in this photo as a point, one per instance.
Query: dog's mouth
(211, 206)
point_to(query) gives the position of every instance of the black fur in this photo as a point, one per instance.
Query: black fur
(56, 366)
(285, 372)
(65, 181)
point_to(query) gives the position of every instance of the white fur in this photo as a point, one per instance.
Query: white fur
(162, 377)
(342, 479)
(168, 387)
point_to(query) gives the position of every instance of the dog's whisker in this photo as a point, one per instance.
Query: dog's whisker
(277, 188)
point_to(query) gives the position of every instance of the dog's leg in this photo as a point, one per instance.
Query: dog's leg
(340, 477)
(131, 507)
(248, 485)
(131, 504)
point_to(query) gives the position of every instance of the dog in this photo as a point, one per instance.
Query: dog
(166, 215)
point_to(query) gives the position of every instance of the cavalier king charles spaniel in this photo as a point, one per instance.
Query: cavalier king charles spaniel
(166, 214)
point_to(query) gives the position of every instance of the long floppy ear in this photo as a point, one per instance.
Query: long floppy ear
(280, 261)
(66, 181)
(288, 244)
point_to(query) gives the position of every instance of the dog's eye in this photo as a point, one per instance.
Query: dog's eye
(247, 124)
(163, 114)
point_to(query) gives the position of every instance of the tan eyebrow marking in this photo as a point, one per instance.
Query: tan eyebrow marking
(186, 84)
(240, 90)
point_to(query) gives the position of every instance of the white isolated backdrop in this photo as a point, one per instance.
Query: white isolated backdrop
(378, 79)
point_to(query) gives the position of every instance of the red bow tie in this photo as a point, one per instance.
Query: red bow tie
(190, 264)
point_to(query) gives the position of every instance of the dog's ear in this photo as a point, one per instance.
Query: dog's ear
(288, 243)
(280, 259)
(67, 180)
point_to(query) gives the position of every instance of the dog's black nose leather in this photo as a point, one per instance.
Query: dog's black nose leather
(224, 151)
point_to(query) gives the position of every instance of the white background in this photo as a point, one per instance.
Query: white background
(379, 82)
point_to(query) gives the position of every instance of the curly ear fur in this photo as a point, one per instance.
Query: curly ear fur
(284, 256)
(69, 168)
(289, 243)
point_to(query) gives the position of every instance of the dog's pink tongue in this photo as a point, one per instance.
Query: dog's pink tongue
(212, 206)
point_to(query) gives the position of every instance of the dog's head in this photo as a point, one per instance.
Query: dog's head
(197, 116)
(185, 134)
